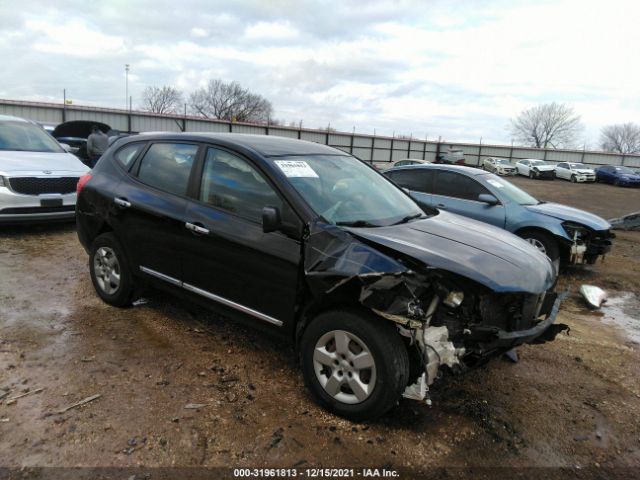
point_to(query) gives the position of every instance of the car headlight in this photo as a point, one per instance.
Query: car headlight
(575, 230)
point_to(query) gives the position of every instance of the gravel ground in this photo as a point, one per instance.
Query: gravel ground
(573, 403)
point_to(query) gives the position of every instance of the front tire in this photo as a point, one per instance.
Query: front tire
(546, 244)
(354, 363)
(573, 179)
(532, 175)
(110, 272)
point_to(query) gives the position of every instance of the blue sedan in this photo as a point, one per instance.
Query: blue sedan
(619, 176)
(562, 232)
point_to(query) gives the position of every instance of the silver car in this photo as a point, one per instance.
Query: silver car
(500, 166)
(38, 177)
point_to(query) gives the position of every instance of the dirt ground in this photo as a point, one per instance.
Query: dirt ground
(573, 403)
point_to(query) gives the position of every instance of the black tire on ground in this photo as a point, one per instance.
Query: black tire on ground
(531, 175)
(389, 354)
(573, 179)
(122, 294)
(616, 182)
(549, 244)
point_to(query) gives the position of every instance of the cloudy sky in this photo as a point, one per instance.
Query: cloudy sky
(456, 69)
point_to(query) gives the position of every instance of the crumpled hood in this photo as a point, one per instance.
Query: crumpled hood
(585, 171)
(543, 168)
(475, 250)
(35, 163)
(562, 212)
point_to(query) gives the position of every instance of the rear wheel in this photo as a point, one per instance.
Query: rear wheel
(110, 273)
(354, 364)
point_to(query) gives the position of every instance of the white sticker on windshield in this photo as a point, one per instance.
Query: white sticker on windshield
(296, 168)
(495, 183)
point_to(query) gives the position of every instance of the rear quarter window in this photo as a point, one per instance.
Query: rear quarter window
(127, 154)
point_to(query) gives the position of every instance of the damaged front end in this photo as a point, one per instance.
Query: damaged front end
(449, 320)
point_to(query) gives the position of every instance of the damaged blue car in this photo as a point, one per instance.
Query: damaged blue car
(379, 297)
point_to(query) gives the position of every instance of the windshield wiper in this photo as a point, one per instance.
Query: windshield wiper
(408, 218)
(357, 223)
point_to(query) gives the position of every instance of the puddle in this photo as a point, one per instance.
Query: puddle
(624, 311)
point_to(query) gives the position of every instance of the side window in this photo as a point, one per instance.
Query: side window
(231, 183)
(167, 166)
(127, 154)
(563, 165)
(418, 179)
(451, 184)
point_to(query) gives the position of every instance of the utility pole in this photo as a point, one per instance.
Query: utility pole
(126, 85)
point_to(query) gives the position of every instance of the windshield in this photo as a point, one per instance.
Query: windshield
(344, 191)
(509, 190)
(625, 170)
(577, 165)
(503, 161)
(24, 136)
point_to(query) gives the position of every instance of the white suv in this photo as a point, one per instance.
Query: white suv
(38, 177)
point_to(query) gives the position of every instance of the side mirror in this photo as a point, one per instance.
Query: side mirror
(270, 219)
(67, 147)
(488, 199)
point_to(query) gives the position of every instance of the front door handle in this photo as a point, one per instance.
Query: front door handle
(122, 202)
(197, 228)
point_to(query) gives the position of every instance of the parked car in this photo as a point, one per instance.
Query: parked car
(37, 176)
(619, 176)
(575, 172)
(408, 161)
(561, 232)
(500, 166)
(533, 168)
(451, 157)
(315, 244)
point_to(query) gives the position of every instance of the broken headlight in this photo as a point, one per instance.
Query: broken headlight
(575, 231)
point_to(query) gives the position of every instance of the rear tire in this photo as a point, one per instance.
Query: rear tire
(110, 272)
(349, 347)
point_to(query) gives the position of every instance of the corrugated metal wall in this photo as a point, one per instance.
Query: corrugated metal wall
(379, 150)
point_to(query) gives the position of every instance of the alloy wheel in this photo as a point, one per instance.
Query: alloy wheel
(107, 270)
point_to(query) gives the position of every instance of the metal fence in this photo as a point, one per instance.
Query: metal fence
(379, 150)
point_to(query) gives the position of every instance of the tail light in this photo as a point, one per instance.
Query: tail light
(82, 181)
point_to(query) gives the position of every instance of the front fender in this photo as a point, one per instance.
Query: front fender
(531, 220)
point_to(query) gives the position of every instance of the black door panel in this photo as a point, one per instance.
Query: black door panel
(240, 263)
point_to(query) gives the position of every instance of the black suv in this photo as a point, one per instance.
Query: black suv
(376, 295)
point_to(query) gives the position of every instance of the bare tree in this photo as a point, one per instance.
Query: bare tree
(165, 99)
(621, 138)
(552, 125)
(230, 101)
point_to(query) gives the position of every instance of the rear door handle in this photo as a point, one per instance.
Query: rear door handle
(197, 228)
(121, 202)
